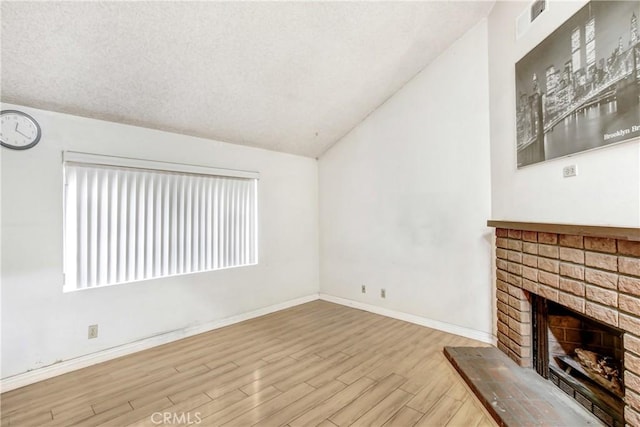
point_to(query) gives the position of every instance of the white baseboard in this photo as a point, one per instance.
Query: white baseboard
(40, 374)
(411, 318)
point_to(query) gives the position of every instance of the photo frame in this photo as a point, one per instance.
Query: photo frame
(579, 89)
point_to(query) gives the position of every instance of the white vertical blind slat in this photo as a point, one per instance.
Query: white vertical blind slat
(115, 227)
(202, 235)
(103, 219)
(83, 216)
(125, 224)
(150, 229)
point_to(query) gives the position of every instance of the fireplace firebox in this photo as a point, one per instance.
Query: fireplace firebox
(583, 357)
(586, 280)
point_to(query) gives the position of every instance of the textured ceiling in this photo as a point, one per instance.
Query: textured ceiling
(291, 77)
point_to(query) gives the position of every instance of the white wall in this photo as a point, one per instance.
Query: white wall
(607, 188)
(404, 198)
(42, 325)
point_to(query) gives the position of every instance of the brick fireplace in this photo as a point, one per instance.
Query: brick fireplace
(593, 271)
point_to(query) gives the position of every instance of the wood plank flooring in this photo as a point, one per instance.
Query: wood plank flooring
(314, 364)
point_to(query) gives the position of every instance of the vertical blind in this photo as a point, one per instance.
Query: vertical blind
(125, 224)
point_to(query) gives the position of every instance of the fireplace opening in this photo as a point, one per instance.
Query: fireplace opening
(582, 356)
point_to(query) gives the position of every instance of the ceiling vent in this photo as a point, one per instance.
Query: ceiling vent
(530, 14)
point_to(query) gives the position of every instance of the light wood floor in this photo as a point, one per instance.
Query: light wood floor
(314, 364)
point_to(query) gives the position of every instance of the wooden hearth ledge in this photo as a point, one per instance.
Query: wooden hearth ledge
(622, 233)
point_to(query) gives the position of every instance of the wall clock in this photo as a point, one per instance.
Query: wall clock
(18, 130)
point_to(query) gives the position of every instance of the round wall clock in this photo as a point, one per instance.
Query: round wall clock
(18, 130)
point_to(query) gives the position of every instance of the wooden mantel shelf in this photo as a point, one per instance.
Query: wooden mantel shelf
(623, 233)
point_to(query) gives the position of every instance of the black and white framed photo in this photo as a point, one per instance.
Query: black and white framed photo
(579, 89)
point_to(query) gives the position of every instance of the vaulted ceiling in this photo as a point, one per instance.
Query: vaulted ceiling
(285, 76)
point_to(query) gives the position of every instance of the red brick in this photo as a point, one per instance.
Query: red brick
(601, 278)
(514, 245)
(550, 265)
(548, 251)
(514, 234)
(514, 256)
(632, 381)
(501, 264)
(572, 286)
(523, 351)
(603, 261)
(571, 270)
(602, 313)
(549, 238)
(530, 236)
(501, 242)
(501, 275)
(501, 253)
(521, 316)
(632, 399)
(523, 329)
(502, 296)
(524, 362)
(571, 241)
(522, 305)
(563, 322)
(502, 232)
(629, 266)
(530, 260)
(530, 273)
(503, 339)
(530, 286)
(571, 301)
(632, 343)
(631, 417)
(503, 317)
(517, 292)
(503, 307)
(603, 296)
(548, 292)
(530, 248)
(514, 268)
(519, 339)
(630, 285)
(548, 278)
(513, 346)
(626, 247)
(575, 256)
(502, 286)
(629, 323)
(630, 305)
(514, 280)
(600, 244)
(503, 328)
(632, 362)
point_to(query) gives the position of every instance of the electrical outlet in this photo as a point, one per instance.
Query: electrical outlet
(383, 293)
(569, 171)
(363, 289)
(93, 331)
(537, 7)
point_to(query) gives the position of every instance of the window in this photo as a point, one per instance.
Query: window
(127, 220)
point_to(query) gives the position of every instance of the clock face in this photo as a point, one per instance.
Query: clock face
(18, 130)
